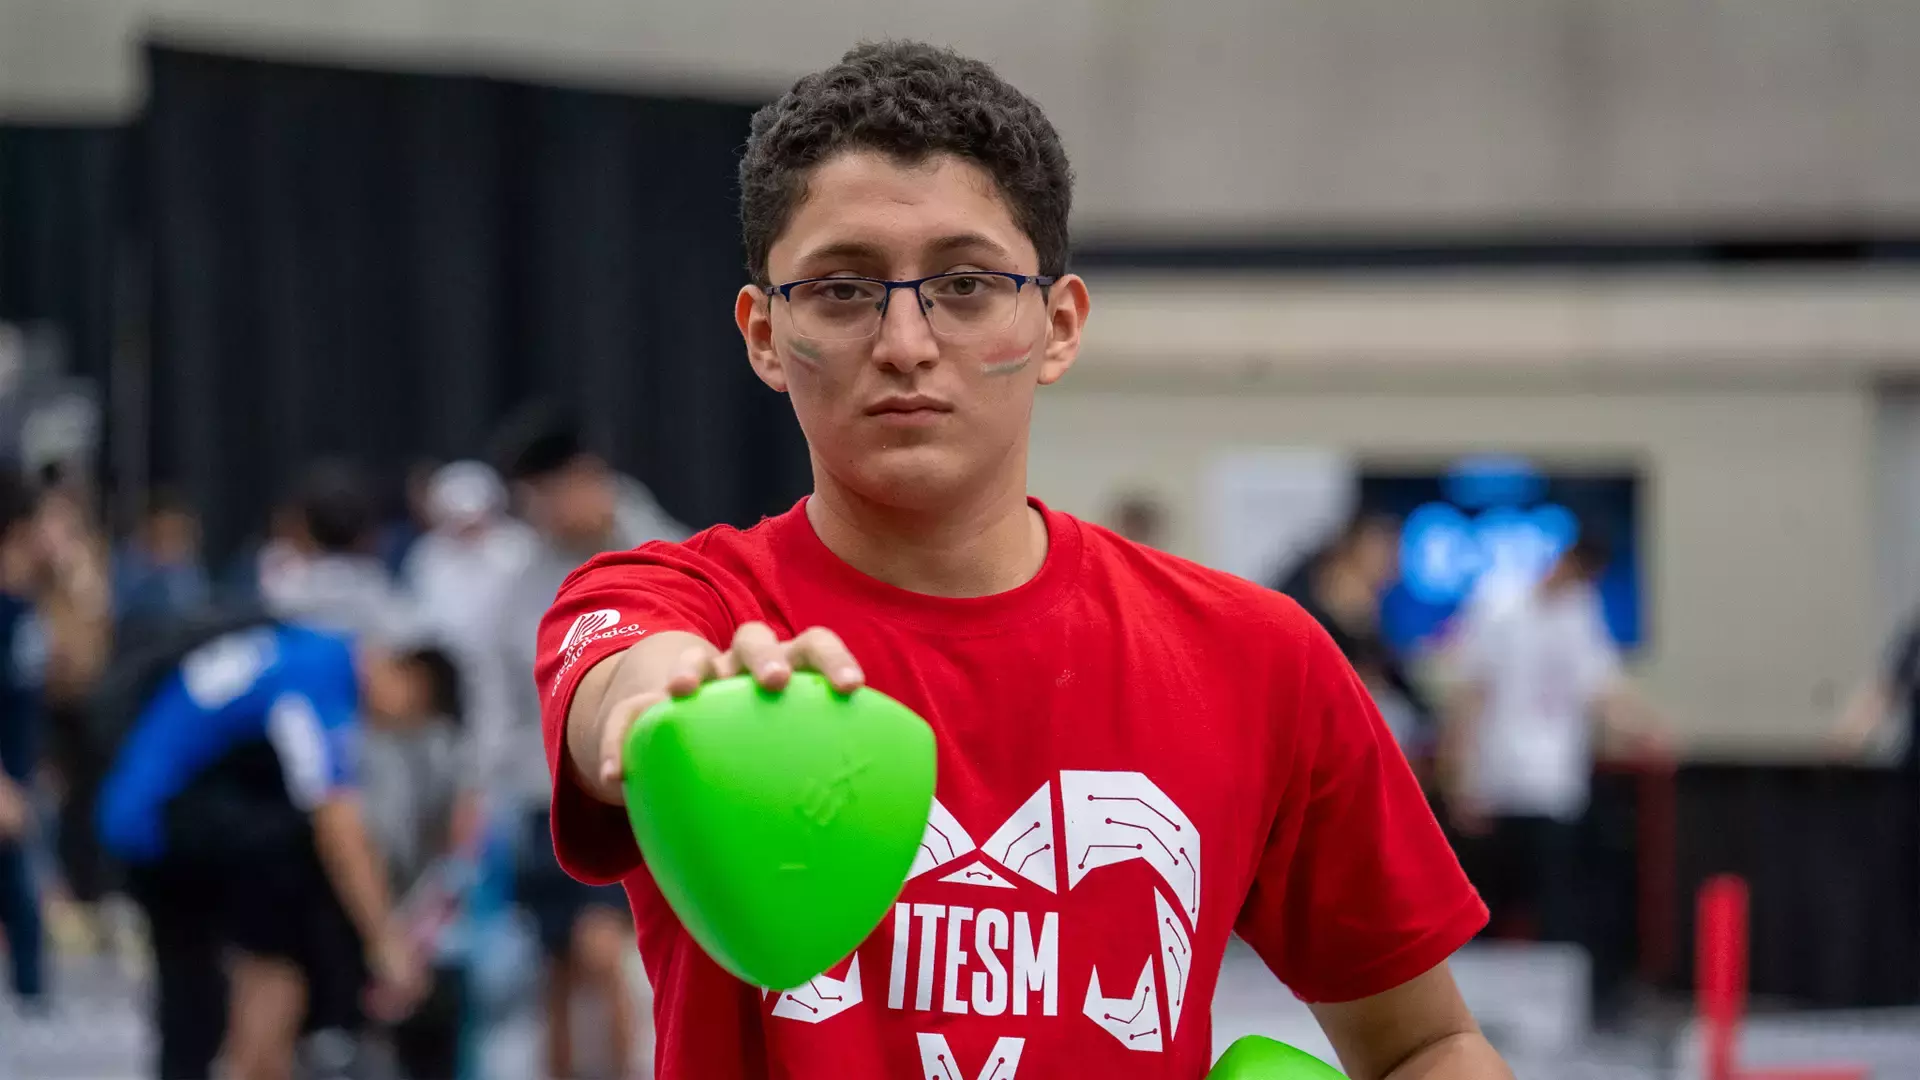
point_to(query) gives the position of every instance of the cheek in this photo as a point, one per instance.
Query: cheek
(816, 387)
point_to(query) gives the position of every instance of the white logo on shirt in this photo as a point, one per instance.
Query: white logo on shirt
(586, 626)
(1008, 961)
(937, 1058)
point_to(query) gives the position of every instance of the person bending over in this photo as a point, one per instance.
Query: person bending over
(1138, 756)
(232, 803)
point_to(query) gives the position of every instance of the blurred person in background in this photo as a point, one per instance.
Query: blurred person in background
(280, 550)
(328, 575)
(76, 608)
(470, 546)
(579, 507)
(233, 802)
(1885, 706)
(24, 571)
(1341, 585)
(1533, 673)
(413, 519)
(158, 575)
(158, 581)
(456, 575)
(410, 772)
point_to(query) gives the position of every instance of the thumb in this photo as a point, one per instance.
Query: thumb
(613, 734)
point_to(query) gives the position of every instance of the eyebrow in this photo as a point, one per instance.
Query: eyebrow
(862, 251)
(856, 250)
(967, 241)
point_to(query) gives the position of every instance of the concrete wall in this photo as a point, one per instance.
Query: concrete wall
(1215, 115)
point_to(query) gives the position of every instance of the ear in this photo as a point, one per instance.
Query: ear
(753, 314)
(1067, 306)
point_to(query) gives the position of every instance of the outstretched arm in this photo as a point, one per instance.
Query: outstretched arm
(1419, 1030)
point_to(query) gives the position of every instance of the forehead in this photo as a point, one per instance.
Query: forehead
(867, 208)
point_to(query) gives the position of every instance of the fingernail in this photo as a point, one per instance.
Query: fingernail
(850, 674)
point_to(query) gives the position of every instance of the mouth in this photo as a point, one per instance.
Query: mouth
(909, 408)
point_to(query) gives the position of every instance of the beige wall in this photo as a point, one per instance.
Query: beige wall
(1761, 520)
(1210, 115)
(1758, 523)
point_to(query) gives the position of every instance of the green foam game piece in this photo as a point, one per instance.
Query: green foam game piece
(779, 825)
(1256, 1057)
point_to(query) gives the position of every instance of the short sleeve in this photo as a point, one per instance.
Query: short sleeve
(316, 757)
(1357, 890)
(603, 608)
(313, 724)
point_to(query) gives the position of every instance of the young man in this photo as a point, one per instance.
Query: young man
(232, 802)
(1138, 756)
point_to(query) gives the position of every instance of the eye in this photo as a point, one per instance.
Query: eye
(835, 291)
(960, 286)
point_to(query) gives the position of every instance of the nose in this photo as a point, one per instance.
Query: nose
(905, 340)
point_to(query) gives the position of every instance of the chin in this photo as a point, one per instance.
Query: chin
(911, 478)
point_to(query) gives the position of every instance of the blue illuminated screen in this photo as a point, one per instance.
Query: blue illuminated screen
(1484, 524)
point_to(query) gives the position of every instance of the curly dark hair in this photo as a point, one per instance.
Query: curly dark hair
(910, 100)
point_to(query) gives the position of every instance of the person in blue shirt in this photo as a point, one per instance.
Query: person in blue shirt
(231, 802)
(23, 652)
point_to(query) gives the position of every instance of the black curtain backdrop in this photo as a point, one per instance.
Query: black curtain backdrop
(382, 265)
(1832, 856)
(64, 220)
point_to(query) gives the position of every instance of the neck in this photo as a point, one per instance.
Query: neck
(992, 541)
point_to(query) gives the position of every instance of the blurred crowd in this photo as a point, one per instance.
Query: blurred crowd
(1504, 714)
(449, 769)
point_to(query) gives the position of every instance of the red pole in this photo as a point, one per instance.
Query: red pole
(1720, 973)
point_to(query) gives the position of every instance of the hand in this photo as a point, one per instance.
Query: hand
(756, 651)
(1653, 746)
(1847, 746)
(399, 979)
(15, 812)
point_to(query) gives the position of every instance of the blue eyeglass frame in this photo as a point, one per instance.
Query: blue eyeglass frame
(1020, 281)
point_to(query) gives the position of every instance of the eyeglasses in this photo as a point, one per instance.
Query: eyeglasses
(966, 304)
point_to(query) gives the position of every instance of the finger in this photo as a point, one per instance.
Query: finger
(693, 667)
(613, 737)
(820, 649)
(761, 654)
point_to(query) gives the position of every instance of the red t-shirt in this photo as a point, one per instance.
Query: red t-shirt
(1138, 757)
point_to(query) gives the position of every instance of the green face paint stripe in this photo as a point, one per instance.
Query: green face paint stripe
(806, 349)
(1009, 367)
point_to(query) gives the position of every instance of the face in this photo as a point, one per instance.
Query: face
(390, 690)
(575, 504)
(173, 537)
(1376, 554)
(910, 418)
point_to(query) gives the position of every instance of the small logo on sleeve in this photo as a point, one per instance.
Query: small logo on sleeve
(592, 627)
(586, 626)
